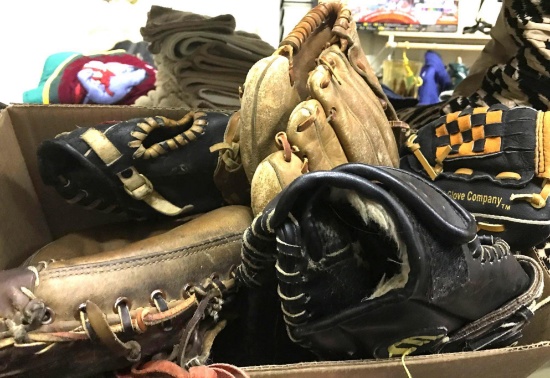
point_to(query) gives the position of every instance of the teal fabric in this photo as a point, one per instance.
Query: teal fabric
(34, 96)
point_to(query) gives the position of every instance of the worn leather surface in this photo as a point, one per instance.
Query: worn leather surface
(273, 174)
(121, 267)
(229, 176)
(338, 113)
(100, 239)
(315, 138)
(299, 70)
(268, 99)
(359, 120)
(137, 269)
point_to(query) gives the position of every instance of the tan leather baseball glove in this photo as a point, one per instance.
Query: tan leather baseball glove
(318, 78)
(90, 303)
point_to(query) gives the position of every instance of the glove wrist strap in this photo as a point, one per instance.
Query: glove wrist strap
(135, 184)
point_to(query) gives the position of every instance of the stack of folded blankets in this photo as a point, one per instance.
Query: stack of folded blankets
(201, 61)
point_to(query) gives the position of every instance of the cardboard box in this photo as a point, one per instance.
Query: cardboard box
(33, 215)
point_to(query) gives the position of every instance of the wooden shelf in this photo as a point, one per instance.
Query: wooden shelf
(434, 41)
(439, 36)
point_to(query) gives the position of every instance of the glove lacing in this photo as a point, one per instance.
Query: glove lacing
(192, 349)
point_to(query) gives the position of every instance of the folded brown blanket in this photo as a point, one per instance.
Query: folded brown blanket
(163, 21)
(201, 60)
(184, 44)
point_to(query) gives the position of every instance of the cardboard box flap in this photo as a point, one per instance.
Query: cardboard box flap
(497, 363)
(35, 214)
(23, 228)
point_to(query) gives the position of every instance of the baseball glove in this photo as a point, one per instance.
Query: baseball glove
(320, 59)
(376, 261)
(125, 301)
(143, 167)
(495, 161)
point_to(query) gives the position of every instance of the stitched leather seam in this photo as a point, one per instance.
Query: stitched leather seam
(105, 267)
(451, 207)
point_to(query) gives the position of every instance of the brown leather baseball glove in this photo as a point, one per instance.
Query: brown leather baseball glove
(89, 303)
(321, 60)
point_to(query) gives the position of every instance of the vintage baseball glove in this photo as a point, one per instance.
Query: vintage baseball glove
(119, 301)
(495, 162)
(376, 262)
(143, 168)
(320, 59)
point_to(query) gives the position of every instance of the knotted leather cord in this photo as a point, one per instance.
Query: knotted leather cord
(211, 291)
(98, 321)
(141, 320)
(230, 154)
(96, 325)
(35, 310)
(282, 141)
(159, 301)
(537, 200)
(496, 250)
(198, 128)
(191, 328)
(258, 250)
(317, 17)
(434, 171)
(229, 149)
(143, 129)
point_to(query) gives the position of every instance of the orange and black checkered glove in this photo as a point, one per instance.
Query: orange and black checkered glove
(495, 161)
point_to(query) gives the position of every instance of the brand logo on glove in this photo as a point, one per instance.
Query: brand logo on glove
(481, 198)
(411, 344)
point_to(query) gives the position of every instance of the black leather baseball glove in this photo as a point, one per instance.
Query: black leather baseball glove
(143, 167)
(377, 262)
(494, 161)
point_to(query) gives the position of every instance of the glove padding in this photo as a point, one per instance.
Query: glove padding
(495, 162)
(377, 262)
(164, 295)
(143, 167)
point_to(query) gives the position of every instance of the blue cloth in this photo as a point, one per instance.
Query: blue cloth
(435, 79)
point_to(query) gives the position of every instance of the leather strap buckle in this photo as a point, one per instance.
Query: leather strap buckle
(135, 184)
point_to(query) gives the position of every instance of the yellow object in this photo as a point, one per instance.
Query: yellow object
(402, 76)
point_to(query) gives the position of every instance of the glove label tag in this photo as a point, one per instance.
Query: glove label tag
(481, 198)
(413, 343)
